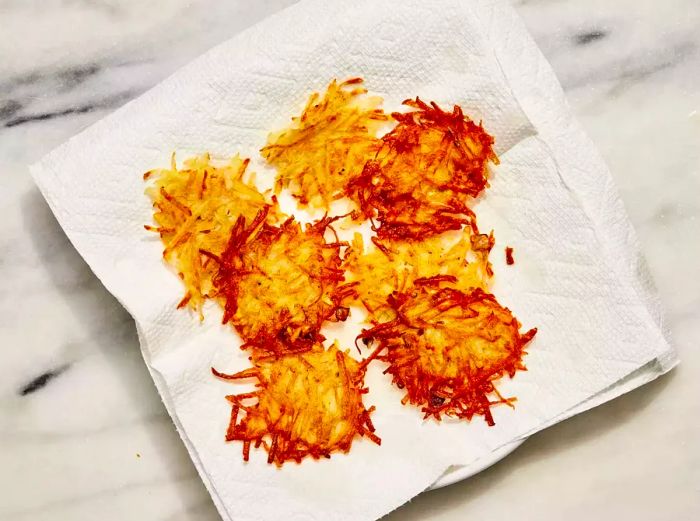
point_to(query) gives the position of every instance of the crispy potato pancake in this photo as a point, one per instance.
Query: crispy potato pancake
(447, 348)
(195, 208)
(423, 175)
(304, 405)
(280, 283)
(326, 147)
(393, 266)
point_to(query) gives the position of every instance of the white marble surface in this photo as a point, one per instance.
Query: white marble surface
(95, 442)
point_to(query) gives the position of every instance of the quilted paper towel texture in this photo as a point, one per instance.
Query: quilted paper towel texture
(596, 329)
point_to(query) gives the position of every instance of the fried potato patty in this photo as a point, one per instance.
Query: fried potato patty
(422, 177)
(304, 405)
(195, 208)
(326, 147)
(447, 348)
(280, 283)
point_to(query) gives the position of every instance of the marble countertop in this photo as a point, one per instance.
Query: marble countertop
(83, 433)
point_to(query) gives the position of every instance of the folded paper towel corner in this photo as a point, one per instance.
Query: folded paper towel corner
(579, 276)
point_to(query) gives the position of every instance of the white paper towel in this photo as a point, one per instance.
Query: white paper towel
(576, 277)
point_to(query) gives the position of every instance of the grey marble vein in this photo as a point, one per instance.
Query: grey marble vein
(18, 118)
(39, 382)
(589, 36)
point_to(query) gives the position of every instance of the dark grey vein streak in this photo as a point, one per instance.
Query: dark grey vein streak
(590, 36)
(635, 68)
(10, 108)
(48, 115)
(107, 103)
(64, 79)
(41, 381)
(73, 77)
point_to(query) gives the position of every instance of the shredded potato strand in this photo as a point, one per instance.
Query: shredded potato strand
(304, 405)
(326, 147)
(448, 347)
(422, 177)
(195, 208)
